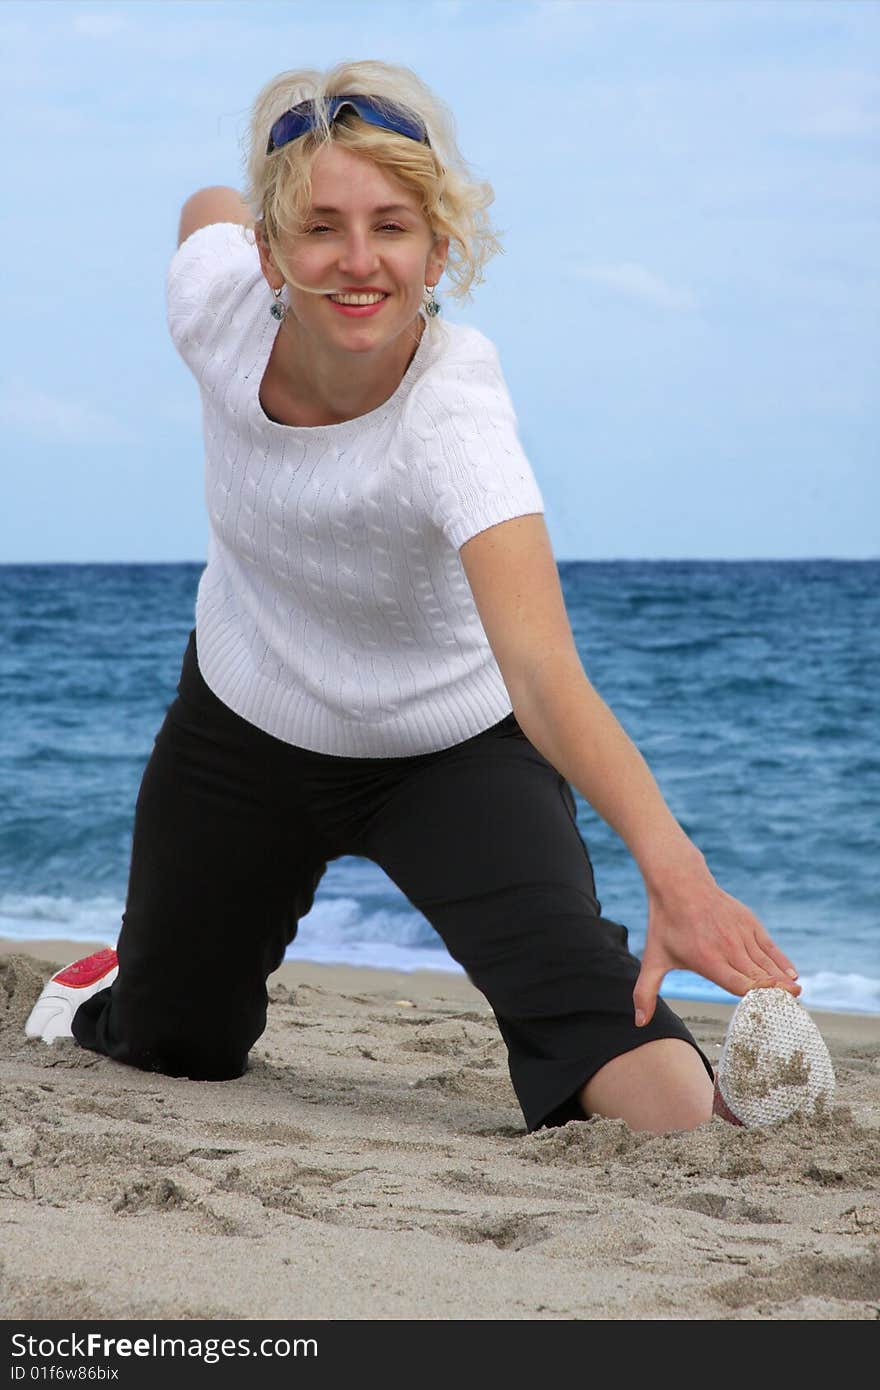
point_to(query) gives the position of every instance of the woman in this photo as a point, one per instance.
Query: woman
(382, 663)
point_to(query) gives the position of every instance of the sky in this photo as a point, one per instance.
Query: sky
(686, 309)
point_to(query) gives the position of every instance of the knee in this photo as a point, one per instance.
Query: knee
(660, 1086)
(189, 1057)
(160, 1046)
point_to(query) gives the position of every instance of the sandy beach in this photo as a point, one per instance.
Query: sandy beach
(373, 1164)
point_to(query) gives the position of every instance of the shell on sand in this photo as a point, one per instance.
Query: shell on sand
(774, 1062)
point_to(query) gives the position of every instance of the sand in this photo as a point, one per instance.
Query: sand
(373, 1164)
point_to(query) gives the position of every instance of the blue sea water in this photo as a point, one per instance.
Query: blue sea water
(752, 688)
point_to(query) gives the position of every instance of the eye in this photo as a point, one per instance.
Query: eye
(387, 226)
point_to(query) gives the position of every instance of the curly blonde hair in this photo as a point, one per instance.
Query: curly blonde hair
(453, 203)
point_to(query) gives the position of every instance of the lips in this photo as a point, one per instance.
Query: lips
(359, 310)
(384, 293)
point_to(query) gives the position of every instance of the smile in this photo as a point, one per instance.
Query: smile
(357, 305)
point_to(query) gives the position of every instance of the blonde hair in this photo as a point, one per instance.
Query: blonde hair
(452, 202)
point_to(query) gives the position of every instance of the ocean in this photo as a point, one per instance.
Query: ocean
(751, 687)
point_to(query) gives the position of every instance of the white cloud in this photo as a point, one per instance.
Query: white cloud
(549, 20)
(561, 10)
(841, 123)
(636, 283)
(180, 411)
(98, 26)
(58, 419)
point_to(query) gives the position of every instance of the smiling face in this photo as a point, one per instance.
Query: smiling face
(364, 230)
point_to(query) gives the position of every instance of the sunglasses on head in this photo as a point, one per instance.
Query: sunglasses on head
(302, 118)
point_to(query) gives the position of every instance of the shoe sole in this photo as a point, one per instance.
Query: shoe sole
(773, 1062)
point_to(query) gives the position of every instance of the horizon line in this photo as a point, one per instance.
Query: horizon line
(560, 559)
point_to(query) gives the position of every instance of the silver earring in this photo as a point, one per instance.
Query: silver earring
(277, 310)
(432, 308)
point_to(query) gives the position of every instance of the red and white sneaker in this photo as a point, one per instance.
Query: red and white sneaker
(773, 1063)
(52, 1015)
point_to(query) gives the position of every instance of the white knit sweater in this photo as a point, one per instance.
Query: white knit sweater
(334, 612)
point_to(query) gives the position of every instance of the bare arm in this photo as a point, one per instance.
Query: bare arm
(692, 923)
(569, 722)
(515, 582)
(208, 205)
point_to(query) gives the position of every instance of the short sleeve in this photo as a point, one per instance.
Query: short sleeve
(200, 287)
(470, 464)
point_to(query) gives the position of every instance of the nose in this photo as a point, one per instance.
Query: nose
(358, 256)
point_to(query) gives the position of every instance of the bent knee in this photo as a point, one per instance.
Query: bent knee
(661, 1086)
(190, 1058)
(157, 1046)
(182, 1057)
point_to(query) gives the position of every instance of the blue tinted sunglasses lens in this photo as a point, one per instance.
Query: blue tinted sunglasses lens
(290, 126)
(300, 119)
(389, 117)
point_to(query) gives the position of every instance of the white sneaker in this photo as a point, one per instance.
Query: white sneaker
(773, 1063)
(52, 1015)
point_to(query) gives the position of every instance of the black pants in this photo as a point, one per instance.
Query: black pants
(233, 832)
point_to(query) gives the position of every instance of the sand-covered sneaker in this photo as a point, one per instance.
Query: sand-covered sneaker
(52, 1015)
(773, 1063)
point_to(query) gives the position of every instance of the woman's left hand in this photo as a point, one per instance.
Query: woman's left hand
(694, 925)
